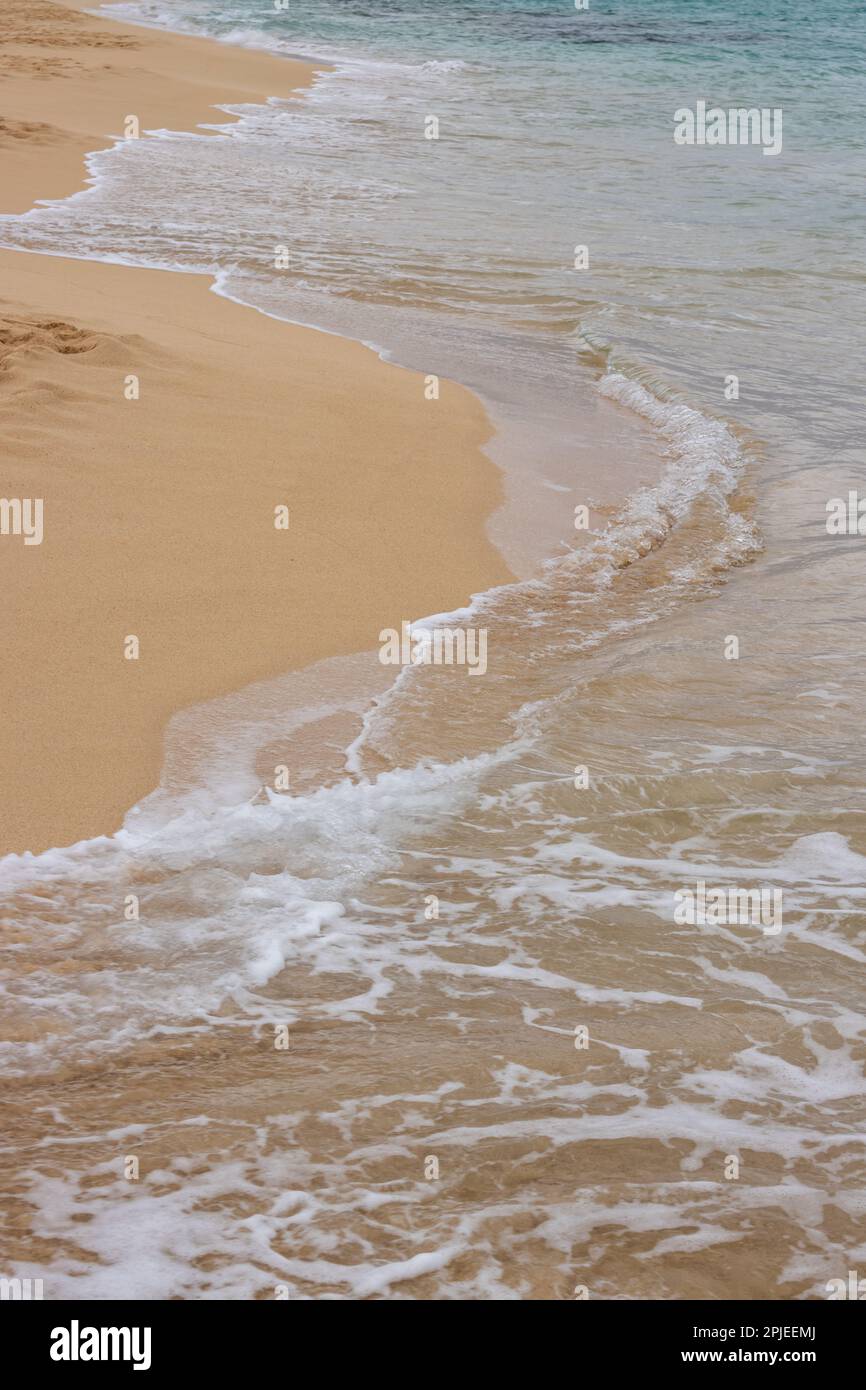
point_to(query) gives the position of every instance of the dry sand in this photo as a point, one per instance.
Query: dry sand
(159, 512)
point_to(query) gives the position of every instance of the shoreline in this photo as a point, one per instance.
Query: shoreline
(259, 413)
(167, 80)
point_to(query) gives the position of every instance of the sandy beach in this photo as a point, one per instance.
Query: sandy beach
(70, 81)
(159, 511)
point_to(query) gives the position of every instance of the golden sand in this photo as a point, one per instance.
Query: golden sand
(70, 81)
(159, 512)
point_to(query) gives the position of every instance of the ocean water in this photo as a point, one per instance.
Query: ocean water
(447, 898)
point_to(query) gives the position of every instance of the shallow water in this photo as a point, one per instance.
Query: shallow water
(445, 898)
